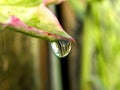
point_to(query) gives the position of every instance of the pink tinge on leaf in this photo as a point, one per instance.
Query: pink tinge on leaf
(18, 25)
(14, 21)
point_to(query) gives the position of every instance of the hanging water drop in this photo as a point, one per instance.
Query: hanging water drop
(61, 48)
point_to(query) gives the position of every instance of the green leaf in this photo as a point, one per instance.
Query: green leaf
(35, 21)
(48, 2)
(20, 2)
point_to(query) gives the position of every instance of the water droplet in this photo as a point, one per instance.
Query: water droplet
(61, 48)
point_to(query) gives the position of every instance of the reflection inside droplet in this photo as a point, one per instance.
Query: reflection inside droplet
(61, 48)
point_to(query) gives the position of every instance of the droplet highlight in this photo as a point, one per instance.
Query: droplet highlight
(61, 48)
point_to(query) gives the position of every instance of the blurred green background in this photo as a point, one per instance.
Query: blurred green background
(28, 63)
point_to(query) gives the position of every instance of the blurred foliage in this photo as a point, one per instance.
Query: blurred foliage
(101, 43)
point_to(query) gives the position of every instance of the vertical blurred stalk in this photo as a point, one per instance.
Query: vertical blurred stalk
(86, 61)
(55, 73)
(44, 65)
(36, 63)
(55, 67)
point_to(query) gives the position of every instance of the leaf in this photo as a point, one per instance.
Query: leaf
(20, 2)
(48, 2)
(35, 21)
